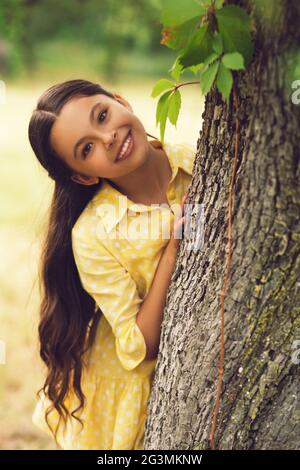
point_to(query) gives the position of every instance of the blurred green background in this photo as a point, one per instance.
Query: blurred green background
(115, 43)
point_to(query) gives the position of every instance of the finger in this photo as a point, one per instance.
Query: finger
(184, 198)
(182, 203)
(180, 221)
(178, 230)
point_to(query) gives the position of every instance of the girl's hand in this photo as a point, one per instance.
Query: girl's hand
(177, 232)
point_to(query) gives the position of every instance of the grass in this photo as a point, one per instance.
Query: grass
(25, 195)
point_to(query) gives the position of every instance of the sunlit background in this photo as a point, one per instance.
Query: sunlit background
(42, 42)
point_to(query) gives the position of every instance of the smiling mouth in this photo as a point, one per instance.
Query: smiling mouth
(126, 148)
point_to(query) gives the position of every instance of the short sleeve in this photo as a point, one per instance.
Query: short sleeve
(115, 292)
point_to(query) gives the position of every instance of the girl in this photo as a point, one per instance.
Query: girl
(104, 282)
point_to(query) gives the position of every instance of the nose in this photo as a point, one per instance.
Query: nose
(109, 138)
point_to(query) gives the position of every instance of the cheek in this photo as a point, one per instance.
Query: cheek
(99, 164)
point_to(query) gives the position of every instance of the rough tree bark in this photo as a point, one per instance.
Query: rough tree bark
(260, 406)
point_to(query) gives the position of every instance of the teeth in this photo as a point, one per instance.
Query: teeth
(125, 147)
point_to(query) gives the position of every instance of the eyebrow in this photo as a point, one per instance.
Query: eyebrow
(91, 119)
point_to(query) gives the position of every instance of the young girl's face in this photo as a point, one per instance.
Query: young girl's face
(89, 133)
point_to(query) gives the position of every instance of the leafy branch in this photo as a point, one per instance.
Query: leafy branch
(213, 41)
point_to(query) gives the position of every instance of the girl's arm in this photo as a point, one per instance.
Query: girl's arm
(150, 315)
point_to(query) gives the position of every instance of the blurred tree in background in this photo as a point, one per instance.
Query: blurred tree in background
(103, 34)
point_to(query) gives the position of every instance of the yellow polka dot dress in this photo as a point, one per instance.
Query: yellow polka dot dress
(116, 261)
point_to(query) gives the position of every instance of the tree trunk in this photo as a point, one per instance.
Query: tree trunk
(259, 402)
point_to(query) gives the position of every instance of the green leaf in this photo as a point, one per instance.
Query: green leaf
(233, 61)
(199, 48)
(177, 12)
(207, 78)
(217, 43)
(206, 3)
(161, 105)
(195, 68)
(219, 4)
(224, 81)
(234, 13)
(176, 70)
(181, 35)
(162, 112)
(174, 107)
(160, 86)
(211, 58)
(234, 26)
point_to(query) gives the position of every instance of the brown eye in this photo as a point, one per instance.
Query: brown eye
(101, 114)
(84, 148)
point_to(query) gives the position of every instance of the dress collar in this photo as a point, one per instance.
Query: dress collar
(111, 205)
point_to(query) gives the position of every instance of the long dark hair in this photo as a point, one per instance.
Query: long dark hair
(68, 314)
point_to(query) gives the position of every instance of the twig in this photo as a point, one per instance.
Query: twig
(227, 272)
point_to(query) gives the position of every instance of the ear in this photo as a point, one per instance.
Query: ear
(122, 101)
(85, 180)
